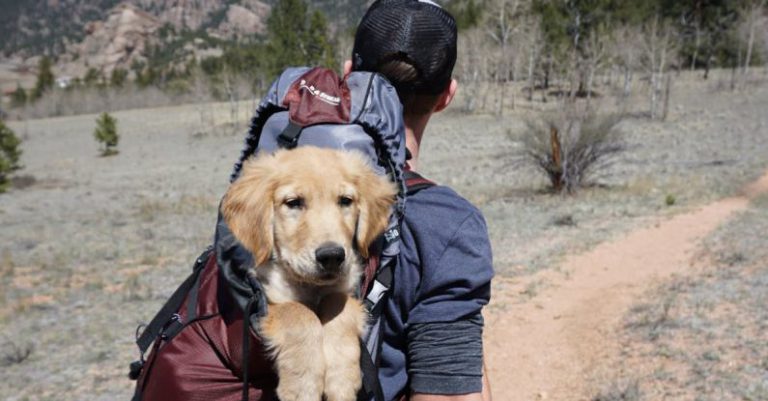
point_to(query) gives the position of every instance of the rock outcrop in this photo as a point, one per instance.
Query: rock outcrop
(116, 42)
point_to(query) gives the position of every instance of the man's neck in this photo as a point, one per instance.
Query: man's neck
(414, 131)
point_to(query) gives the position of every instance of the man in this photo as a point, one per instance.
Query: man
(432, 326)
(432, 342)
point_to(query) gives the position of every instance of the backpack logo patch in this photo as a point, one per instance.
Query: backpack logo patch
(332, 100)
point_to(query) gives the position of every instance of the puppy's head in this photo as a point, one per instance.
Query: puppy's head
(310, 209)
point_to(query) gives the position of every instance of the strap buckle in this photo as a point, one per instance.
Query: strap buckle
(289, 138)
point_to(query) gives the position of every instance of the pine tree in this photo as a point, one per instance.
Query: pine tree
(296, 37)
(19, 97)
(45, 78)
(118, 77)
(319, 49)
(106, 134)
(9, 154)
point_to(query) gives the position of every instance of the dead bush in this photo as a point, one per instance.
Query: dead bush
(571, 148)
(14, 353)
(620, 390)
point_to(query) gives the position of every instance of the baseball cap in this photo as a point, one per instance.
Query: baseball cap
(418, 32)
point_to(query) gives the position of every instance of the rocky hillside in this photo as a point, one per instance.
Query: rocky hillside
(118, 41)
(34, 27)
(107, 34)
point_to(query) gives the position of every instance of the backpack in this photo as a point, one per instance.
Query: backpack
(218, 303)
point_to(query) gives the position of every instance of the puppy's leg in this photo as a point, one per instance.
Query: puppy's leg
(294, 335)
(343, 321)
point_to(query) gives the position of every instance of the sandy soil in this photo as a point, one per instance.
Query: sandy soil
(551, 347)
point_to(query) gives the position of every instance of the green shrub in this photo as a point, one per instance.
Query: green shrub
(9, 154)
(670, 200)
(106, 134)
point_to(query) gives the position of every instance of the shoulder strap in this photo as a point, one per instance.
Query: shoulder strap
(414, 182)
(380, 285)
(168, 314)
(381, 276)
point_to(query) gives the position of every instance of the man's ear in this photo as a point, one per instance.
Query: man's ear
(347, 67)
(447, 96)
(248, 208)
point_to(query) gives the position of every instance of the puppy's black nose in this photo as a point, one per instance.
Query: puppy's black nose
(330, 255)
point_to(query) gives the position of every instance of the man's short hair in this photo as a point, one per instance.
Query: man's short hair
(413, 44)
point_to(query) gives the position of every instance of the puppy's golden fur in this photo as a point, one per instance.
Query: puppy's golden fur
(285, 208)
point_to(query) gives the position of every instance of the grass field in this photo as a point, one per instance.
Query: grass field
(95, 244)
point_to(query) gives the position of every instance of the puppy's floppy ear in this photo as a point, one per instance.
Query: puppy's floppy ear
(377, 195)
(248, 207)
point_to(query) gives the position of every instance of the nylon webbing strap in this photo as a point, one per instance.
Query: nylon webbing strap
(172, 306)
(382, 282)
(415, 183)
(384, 275)
(371, 384)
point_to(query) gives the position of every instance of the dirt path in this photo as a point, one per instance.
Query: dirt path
(548, 347)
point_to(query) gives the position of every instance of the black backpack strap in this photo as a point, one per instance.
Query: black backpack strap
(371, 385)
(414, 182)
(383, 275)
(167, 322)
(374, 302)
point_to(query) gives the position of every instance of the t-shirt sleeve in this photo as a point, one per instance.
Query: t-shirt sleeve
(445, 327)
(457, 284)
(446, 358)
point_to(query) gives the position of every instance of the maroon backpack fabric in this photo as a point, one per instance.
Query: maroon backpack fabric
(203, 361)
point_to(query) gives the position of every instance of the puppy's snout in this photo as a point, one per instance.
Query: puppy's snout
(330, 256)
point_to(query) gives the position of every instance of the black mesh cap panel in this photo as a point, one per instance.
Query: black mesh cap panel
(416, 31)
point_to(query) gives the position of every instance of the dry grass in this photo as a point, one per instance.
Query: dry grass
(80, 234)
(702, 336)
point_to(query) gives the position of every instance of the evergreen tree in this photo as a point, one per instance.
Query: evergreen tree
(118, 77)
(93, 77)
(106, 134)
(19, 97)
(45, 78)
(296, 37)
(319, 49)
(9, 154)
(468, 13)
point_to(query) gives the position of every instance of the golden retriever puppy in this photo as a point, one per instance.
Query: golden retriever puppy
(308, 216)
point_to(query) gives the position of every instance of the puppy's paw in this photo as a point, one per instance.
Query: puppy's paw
(343, 320)
(342, 384)
(294, 335)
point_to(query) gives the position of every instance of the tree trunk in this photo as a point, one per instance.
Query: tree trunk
(708, 65)
(754, 14)
(696, 45)
(557, 177)
(531, 83)
(654, 95)
(627, 81)
(590, 81)
(667, 90)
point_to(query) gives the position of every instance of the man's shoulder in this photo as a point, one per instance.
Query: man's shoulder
(439, 201)
(438, 216)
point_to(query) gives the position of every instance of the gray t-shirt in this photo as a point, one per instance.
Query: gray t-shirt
(432, 334)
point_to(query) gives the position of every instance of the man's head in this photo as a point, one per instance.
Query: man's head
(413, 44)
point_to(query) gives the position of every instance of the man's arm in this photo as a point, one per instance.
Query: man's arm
(445, 326)
(484, 396)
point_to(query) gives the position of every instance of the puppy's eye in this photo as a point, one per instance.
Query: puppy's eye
(294, 203)
(345, 201)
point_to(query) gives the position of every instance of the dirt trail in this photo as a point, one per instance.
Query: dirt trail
(548, 347)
